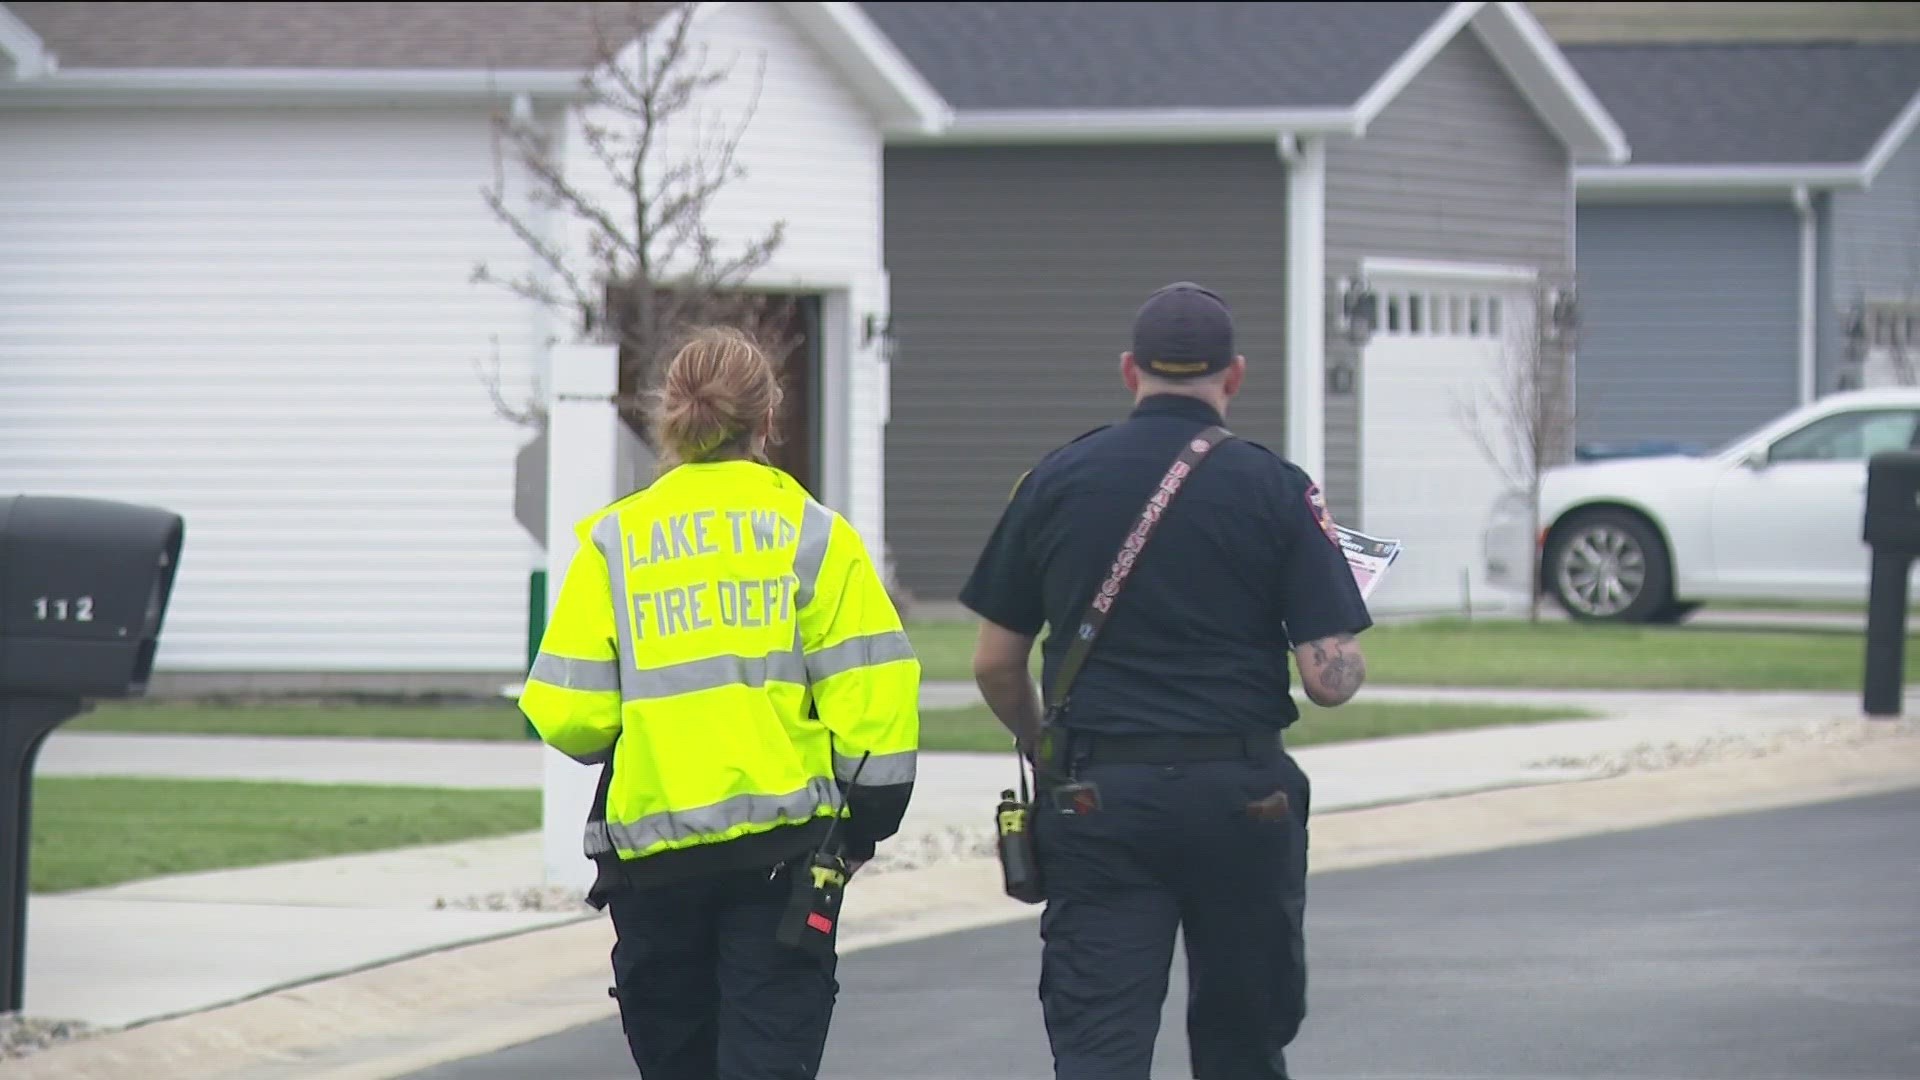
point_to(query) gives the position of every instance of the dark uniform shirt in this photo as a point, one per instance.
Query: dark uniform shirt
(1243, 563)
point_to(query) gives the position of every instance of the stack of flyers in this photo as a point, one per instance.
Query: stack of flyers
(1368, 556)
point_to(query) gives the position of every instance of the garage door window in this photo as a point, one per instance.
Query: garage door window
(1854, 436)
(1411, 312)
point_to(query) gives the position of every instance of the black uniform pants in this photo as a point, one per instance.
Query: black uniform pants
(1176, 847)
(705, 991)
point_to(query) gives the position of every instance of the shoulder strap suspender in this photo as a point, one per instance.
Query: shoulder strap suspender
(1095, 619)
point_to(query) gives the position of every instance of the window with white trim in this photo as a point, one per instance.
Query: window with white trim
(1418, 312)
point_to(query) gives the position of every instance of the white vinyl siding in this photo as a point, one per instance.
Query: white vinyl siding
(264, 322)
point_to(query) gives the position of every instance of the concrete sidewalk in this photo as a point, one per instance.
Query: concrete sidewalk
(165, 946)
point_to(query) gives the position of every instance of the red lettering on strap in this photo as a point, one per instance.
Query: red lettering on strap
(1137, 538)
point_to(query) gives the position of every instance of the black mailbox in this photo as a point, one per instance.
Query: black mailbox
(1893, 502)
(83, 589)
(1892, 529)
(84, 585)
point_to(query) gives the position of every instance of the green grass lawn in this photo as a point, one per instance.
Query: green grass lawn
(943, 729)
(1826, 607)
(945, 648)
(1554, 655)
(91, 832)
(1577, 656)
(975, 728)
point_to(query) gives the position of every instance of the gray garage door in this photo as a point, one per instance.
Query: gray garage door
(1689, 318)
(1015, 274)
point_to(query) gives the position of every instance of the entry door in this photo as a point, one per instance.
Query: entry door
(1438, 346)
(788, 326)
(797, 330)
(1791, 524)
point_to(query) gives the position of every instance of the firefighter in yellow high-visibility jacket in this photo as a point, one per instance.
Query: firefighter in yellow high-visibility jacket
(725, 643)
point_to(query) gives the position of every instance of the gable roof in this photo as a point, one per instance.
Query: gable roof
(1595, 22)
(296, 34)
(1810, 113)
(298, 50)
(1202, 70)
(1109, 56)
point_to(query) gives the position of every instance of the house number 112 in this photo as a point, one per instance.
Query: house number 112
(62, 609)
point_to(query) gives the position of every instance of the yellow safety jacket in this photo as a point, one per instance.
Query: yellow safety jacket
(727, 644)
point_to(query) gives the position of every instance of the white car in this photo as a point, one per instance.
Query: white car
(1776, 514)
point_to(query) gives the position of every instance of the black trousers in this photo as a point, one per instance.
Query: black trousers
(705, 991)
(1174, 847)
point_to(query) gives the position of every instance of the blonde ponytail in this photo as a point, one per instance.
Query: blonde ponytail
(715, 399)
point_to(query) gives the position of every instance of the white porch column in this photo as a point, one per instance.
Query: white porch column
(1809, 294)
(582, 429)
(1306, 304)
(869, 407)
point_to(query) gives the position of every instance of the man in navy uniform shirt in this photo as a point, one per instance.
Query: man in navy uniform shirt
(1200, 820)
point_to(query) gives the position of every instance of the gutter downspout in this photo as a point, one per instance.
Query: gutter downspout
(1809, 241)
(1306, 161)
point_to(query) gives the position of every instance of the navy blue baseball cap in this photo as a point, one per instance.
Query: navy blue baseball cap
(1183, 331)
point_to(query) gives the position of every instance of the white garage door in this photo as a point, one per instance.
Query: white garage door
(1424, 478)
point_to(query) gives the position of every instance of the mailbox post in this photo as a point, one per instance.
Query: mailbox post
(1892, 529)
(84, 585)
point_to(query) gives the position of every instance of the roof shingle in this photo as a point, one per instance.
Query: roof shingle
(1034, 55)
(1751, 104)
(447, 36)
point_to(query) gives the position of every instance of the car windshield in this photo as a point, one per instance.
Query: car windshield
(1849, 434)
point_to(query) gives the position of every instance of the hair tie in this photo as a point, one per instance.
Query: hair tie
(709, 445)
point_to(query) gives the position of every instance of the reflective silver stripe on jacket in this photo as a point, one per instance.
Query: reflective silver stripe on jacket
(793, 808)
(598, 842)
(880, 769)
(859, 652)
(565, 671)
(606, 537)
(816, 529)
(712, 673)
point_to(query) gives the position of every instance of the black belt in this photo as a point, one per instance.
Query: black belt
(1091, 748)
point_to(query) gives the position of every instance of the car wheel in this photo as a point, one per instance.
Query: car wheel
(1609, 566)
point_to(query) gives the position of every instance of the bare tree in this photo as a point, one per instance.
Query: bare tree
(1522, 419)
(650, 267)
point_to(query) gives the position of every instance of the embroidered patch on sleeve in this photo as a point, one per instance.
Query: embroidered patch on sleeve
(1318, 504)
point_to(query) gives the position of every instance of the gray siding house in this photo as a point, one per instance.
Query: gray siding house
(1763, 246)
(1377, 189)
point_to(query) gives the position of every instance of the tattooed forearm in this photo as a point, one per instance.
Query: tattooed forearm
(1344, 673)
(1332, 669)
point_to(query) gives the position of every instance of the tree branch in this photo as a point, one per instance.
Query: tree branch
(534, 414)
(641, 255)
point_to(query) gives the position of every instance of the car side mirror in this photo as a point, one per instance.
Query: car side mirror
(1755, 460)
